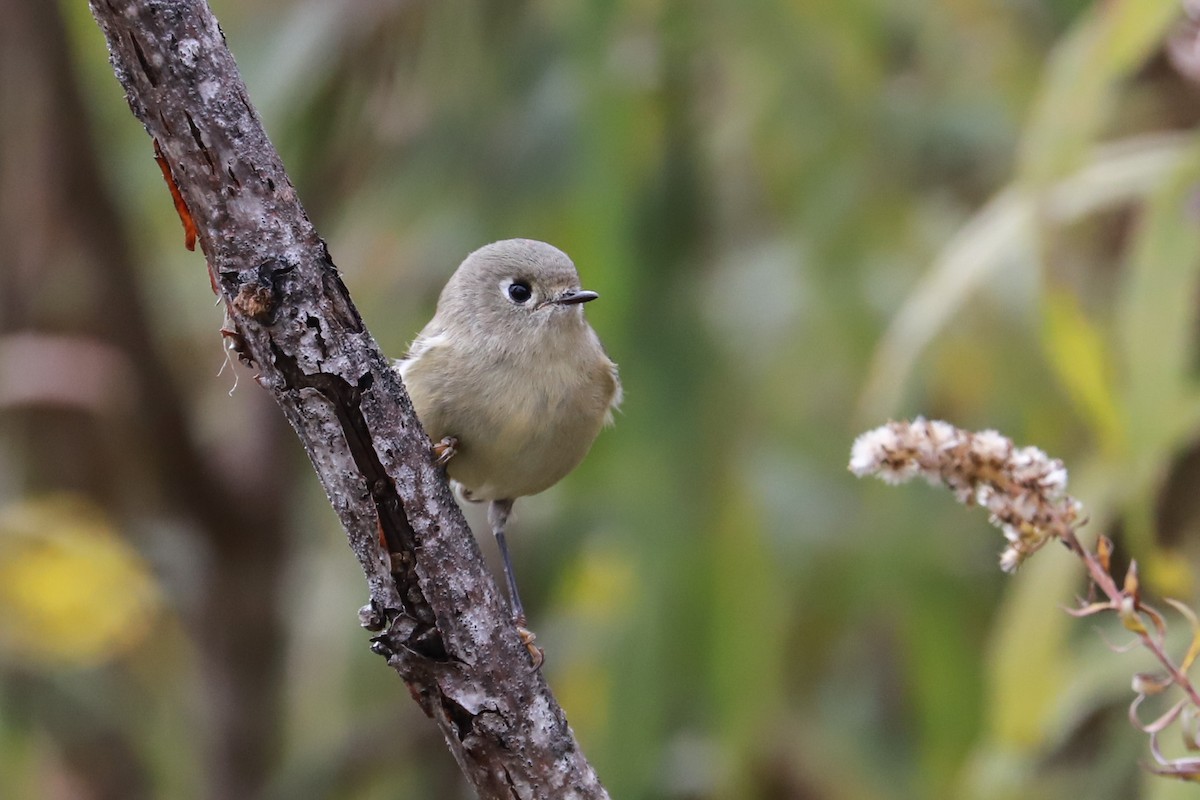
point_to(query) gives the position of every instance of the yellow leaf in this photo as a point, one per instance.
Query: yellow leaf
(72, 592)
(1077, 353)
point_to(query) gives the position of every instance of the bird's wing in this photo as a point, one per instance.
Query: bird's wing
(617, 396)
(426, 340)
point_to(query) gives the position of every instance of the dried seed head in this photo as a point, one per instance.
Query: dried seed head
(1023, 489)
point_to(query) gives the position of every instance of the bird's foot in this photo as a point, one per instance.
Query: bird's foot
(445, 450)
(536, 654)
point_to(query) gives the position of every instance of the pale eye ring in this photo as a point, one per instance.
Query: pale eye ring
(519, 292)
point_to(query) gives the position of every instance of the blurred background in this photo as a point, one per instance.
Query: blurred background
(803, 218)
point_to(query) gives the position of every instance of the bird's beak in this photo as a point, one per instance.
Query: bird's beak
(573, 297)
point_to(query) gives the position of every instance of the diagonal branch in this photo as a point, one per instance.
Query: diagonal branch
(445, 628)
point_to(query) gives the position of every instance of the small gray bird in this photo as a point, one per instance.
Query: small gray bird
(510, 381)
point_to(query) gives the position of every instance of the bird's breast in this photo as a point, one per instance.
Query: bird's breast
(523, 420)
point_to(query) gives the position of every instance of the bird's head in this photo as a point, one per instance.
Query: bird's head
(515, 287)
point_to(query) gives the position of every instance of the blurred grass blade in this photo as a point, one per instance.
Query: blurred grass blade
(1156, 315)
(1079, 89)
(1000, 235)
(971, 257)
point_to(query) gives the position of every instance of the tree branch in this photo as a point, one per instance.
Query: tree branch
(445, 629)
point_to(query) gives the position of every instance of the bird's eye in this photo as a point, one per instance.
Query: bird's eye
(519, 292)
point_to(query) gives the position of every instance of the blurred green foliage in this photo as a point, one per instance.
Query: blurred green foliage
(802, 218)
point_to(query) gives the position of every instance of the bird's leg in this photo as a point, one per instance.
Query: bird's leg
(445, 450)
(498, 511)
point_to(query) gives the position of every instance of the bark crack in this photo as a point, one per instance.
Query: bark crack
(147, 70)
(199, 139)
(396, 531)
(462, 719)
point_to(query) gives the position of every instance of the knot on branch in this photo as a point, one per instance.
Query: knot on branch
(256, 291)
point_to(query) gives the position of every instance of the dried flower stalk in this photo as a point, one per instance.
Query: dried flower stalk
(1025, 493)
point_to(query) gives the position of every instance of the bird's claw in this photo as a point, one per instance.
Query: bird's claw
(536, 654)
(445, 450)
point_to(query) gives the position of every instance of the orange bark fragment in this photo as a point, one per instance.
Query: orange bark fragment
(185, 216)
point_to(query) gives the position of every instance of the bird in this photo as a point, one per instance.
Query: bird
(511, 383)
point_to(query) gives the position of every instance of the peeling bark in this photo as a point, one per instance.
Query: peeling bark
(444, 627)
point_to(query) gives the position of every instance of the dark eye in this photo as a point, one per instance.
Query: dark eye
(519, 291)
